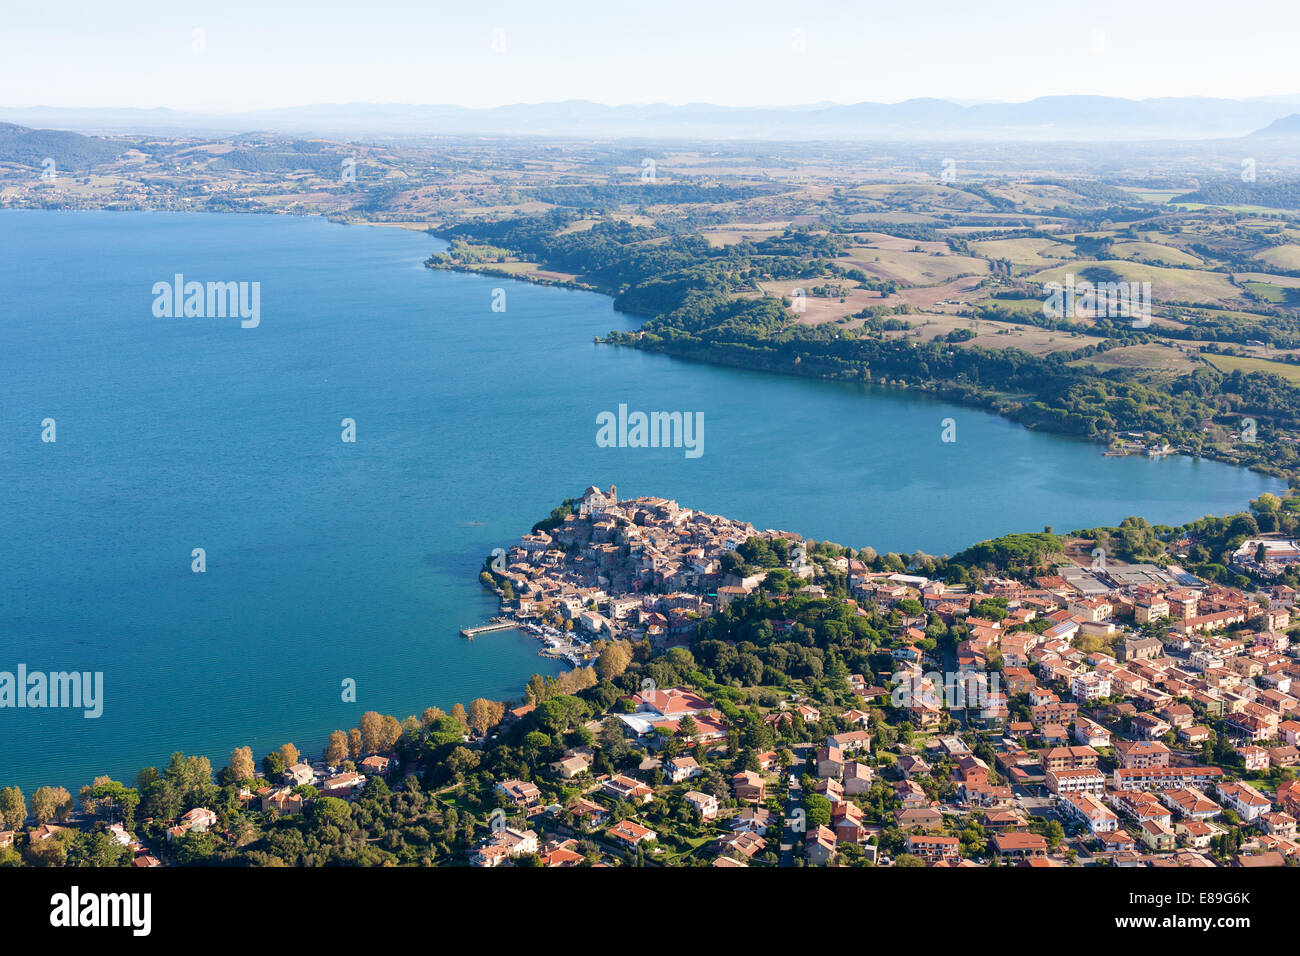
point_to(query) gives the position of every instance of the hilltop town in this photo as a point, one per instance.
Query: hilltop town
(1123, 714)
(641, 568)
(754, 698)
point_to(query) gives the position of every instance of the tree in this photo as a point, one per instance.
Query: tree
(412, 731)
(1267, 503)
(1054, 832)
(748, 670)
(561, 712)
(85, 794)
(331, 811)
(460, 761)
(63, 805)
(98, 850)
(612, 739)
(354, 743)
(52, 851)
(484, 714)
(194, 848)
(534, 743)
(390, 732)
(687, 727)
(289, 754)
(819, 810)
(159, 799)
(50, 804)
(13, 808)
(115, 800)
(242, 765)
(372, 733)
(192, 778)
(539, 689)
(336, 751)
(273, 765)
(613, 660)
(458, 714)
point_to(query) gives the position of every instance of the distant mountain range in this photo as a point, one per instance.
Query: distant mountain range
(1049, 118)
(1288, 127)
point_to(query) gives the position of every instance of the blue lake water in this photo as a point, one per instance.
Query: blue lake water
(328, 560)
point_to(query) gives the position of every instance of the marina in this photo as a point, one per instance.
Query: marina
(558, 645)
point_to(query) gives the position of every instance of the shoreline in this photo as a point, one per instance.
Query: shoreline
(892, 389)
(949, 392)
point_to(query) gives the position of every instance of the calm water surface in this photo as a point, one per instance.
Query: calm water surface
(328, 560)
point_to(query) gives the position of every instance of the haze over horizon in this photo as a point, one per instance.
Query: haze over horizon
(192, 57)
(641, 104)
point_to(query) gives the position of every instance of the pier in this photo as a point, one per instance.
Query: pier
(497, 625)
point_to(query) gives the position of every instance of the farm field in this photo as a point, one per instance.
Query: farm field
(1032, 253)
(1288, 282)
(1154, 254)
(820, 309)
(1268, 291)
(1281, 257)
(1232, 363)
(1155, 356)
(718, 238)
(1167, 285)
(992, 335)
(914, 268)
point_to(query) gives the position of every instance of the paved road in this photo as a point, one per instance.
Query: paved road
(790, 837)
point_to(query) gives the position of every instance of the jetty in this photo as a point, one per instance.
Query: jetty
(497, 624)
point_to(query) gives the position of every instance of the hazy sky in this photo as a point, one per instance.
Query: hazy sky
(146, 53)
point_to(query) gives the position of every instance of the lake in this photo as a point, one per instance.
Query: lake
(329, 560)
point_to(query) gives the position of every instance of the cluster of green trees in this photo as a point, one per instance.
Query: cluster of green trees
(70, 151)
(1013, 551)
(688, 289)
(1134, 540)
(1284, 194)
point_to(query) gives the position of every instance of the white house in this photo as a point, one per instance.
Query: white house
(678, 769)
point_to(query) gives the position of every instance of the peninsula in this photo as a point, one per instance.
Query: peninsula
(756, 699)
